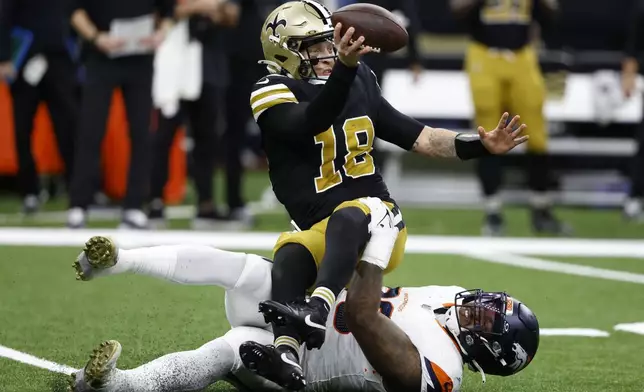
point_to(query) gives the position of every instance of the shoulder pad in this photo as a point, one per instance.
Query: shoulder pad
(270, 91)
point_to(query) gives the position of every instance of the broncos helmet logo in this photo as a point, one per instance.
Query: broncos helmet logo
(275, 24)
(520, 358)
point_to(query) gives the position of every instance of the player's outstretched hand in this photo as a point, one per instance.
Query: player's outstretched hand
(505, 137)
(349, 49)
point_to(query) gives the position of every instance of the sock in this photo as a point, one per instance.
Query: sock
(538, 172)
(490, 173)
(288, 341)
(181, 371)
(186, 264)
(492, 204)
(540, 200)
(347, 233)
(325, 295)
(293, 272)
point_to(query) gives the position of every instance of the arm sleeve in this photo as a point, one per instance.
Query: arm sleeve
(395, 127)
(312, 117)
(635, 31)
(165, 8)
(7, 8)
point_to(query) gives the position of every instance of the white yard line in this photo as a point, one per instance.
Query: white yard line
(416, 244)
(555, 266)
(35, 361)
(583, 332)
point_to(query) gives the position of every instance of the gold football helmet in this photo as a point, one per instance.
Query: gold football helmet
(288, 31)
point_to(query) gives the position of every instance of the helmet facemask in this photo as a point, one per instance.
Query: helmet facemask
(306, 69)
(481, 318)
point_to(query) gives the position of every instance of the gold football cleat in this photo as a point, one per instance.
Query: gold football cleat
(99, 253)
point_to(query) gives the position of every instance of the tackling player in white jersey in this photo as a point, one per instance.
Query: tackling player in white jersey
(427, 332)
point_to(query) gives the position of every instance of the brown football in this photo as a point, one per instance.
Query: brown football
(379, 27)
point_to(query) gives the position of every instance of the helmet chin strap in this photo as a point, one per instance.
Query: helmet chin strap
(451, 323)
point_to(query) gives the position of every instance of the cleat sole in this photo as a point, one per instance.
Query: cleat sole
(101, 362)
(101, 252)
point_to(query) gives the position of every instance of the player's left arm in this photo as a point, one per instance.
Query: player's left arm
(387, 348)
(409, 134)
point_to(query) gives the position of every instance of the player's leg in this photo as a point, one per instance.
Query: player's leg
(186, 264)
(527, 96)
(180, 371)
(294, 271)
(346, 233)
(485, 87)
(632, 208)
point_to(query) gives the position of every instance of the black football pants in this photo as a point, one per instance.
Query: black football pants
(134, 76)
(57, 89)
(637, 171)
(201, 116)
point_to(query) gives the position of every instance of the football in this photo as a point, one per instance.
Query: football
(380, 28)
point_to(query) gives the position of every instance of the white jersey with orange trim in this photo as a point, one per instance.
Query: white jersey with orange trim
(341, 365)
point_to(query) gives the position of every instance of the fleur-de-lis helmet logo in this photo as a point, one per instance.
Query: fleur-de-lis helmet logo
(275, 24)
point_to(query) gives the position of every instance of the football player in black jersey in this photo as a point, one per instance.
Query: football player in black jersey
(319, 111)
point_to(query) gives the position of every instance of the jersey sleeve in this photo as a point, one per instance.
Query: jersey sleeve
(396, 127)
(269, 92)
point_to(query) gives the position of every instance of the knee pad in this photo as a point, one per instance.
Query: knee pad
(253, 287)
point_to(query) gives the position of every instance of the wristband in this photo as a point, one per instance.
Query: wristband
(469, 146)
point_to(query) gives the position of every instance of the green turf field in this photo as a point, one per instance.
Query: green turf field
(45, 312)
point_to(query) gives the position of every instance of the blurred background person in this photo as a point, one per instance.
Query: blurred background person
(630, 71)
(244, 72)
(505, 75)
(120, 38)
(207, 21)
(48, 73)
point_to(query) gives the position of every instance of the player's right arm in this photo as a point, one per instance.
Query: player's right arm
(387, 348)
(317, 115)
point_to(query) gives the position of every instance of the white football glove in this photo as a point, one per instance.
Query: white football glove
(383, 233)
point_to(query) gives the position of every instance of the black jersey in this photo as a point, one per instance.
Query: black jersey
(315, 165)
(506, 24)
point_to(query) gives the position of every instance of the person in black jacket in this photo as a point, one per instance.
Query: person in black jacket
(208, 21)
(109, 65)
(48, 74)
(630, 69)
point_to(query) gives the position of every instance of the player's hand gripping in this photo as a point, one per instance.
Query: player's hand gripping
(384, 233)
(505, 137)
(349, 51)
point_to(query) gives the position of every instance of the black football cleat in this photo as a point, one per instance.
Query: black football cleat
(308, 318)
(277, 364)
(545, 222)
(493, 225)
